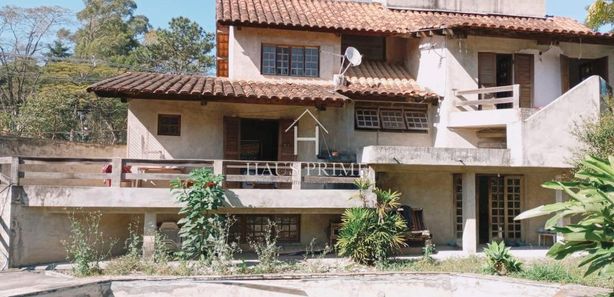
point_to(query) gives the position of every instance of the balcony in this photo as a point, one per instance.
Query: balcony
(99, 182)
(488, 113)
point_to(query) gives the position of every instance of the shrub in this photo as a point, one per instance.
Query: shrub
(223, 248)
(427, 252)
(499, 260)
(201, 195)
(267, 250)
(370, 235)
(552, 272)
(134, 243)
(592, 202)
(86, 246)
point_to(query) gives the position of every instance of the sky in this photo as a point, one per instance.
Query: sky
(160, 12)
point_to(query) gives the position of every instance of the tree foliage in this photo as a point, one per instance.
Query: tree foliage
(600, 13)
(592, 202)
(109, 29)
(182, 48)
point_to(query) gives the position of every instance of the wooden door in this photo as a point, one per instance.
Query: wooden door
(505, 198)
(513, 199)
(524, 76)
(232, 145)
(496, 205)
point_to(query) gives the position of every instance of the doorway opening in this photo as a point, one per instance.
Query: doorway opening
(575, 71)
(259, 140)
(496, 70)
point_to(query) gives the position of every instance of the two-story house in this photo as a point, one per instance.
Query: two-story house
(466, 107)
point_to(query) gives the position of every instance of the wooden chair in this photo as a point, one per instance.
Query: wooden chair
(418, 232)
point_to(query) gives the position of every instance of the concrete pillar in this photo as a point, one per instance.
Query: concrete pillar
(470, 230)
(150, 225)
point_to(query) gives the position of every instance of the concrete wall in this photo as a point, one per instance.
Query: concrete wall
(202, 129)
(507, 7)
(18, 146)
(547, 137)
(245, 46)
(430, 188)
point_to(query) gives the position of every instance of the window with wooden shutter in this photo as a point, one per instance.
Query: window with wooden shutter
(564, 74)
(232, 140)
(286, 141)
(523, 75)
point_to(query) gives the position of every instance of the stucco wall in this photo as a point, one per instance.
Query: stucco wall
(202, 129)
(245, 46)
(17, 146)
(432, 189)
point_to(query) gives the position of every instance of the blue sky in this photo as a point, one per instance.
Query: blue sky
(160, 12)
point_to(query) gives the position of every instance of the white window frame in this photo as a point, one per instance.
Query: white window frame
(377, 120)
(405, 115)
(424, 119)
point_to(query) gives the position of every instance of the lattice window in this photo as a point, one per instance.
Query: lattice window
(297, 65)
(513, 197)
(268, 59)
(392, 119)
(458, 205)
(282, 60)
(287, 227)
(367, 119)
(169, 124)
(497, 208)
(312, 61)
(290, 60)
(417, 120)
(255, 227)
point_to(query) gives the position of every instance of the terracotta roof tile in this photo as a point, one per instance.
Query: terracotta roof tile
(371, 78)
(198, 87)
(374, 17)
(383, 79)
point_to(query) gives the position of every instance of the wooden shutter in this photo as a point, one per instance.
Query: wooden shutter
(564, 74)
(285, 149)
(232, 138)
(487, 70)
(523, 75)
(232, 144)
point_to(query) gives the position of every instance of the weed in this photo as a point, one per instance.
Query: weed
(267, 250)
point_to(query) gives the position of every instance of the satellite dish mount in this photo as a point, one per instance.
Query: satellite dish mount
(353, 58)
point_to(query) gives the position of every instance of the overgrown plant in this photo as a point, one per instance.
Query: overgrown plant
(223, 247)
(427, 252)
(499, 260)
(591, 201)
(86, 245)
(134, 243)
(370, 235)
(266, 248)
(200, 195)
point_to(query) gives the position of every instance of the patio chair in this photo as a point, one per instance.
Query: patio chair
(418, 234)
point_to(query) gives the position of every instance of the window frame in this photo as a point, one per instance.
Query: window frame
(404, 109)
(242, 226)
(289, 60)
(159, 126)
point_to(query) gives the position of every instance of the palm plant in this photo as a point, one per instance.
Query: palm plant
(592, 201)
(370, 235)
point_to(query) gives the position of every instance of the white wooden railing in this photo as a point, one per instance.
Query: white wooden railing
(463, 102)
(125, 172)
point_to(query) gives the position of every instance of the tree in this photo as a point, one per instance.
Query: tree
(182, 48)
(597, 135)
(600, 13)
(592, 203)
(57, 50)
(109, 29)
(22, 31)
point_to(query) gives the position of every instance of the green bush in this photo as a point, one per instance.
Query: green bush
(499, 260)
(200, 195)
(592, 202)
(369, 235)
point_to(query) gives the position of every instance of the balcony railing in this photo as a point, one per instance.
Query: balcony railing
(120, 172)
(490, 100)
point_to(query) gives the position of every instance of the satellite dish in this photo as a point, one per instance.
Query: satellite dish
(353, 56)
